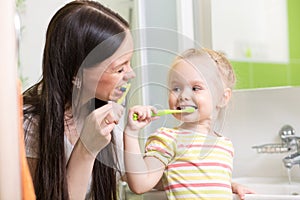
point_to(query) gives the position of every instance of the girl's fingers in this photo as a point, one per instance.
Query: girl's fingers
(149, 113)
(143, 112)
(154, 110)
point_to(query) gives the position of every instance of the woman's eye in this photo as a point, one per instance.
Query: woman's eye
(120, 70)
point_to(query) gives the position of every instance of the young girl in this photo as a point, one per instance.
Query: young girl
(194, 160)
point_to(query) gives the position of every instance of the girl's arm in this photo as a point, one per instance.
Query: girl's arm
(142, 173)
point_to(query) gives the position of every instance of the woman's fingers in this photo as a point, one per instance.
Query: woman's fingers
(106, 130)
(109, 113)
(110, 116)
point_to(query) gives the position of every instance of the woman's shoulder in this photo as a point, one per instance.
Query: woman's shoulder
(29, 116)
(31, 132)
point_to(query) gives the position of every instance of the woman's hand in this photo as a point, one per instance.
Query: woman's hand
(144, 117)
(96, 132)
(118, 111)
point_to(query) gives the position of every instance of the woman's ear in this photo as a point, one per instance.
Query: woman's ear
(225, 98)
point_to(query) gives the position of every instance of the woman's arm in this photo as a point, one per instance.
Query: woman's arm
(79, 170)
(95, 135)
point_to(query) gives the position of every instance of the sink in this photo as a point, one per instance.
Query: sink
(269, 188)
(266, 188)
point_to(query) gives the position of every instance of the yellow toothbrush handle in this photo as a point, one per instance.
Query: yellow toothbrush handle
(120, 101)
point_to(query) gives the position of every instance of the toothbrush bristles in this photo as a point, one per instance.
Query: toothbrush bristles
(189, 110)
(123, 89)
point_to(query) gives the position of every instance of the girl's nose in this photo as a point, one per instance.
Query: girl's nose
(185, 94)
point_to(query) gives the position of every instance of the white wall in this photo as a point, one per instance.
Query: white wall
(35, 18)
(255, 118)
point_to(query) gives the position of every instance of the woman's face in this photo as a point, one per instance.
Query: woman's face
(113, 73)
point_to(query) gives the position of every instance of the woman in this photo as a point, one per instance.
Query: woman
(86, 61)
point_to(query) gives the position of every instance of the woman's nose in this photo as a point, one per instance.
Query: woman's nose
(130, 74)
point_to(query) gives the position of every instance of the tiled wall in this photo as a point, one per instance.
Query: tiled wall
(260, 75)
(255, 118)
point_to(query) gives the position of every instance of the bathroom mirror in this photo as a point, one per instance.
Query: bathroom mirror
(259, 37)
(270, 58)
(251, 31)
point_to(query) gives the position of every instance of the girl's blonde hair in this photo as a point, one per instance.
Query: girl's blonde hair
(225, 69)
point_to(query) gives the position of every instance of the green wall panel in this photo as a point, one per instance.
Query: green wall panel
(294, 28)
(261, 75)
(243, 75)
(295, 74)
(269, 75)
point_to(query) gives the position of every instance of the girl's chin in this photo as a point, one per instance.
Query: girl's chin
(186, 119)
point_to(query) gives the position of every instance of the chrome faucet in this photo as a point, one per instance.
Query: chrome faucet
(291, 160)
(287, 134)
(289, 143)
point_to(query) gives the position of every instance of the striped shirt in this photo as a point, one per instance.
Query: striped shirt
(198, 166)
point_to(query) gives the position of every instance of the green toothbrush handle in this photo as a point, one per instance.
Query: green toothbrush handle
(135, 117)
(166, 112)
(159, 113)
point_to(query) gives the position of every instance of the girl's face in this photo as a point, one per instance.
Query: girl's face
(188, 88)
(114, 73)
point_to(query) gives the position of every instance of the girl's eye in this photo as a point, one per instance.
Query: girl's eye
(176, 89)
(197, 88)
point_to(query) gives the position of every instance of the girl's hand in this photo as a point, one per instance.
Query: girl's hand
(241, 190)
(144, 114)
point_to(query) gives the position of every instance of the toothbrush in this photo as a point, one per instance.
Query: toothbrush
(125, 90)
(167, 112)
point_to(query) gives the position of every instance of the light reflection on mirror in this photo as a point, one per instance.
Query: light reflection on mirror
(253, 30)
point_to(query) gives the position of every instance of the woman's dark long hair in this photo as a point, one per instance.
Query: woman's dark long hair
(74, 31)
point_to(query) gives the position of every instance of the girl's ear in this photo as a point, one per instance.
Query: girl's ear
(225, 98)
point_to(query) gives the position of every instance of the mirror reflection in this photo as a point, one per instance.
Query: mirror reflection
(259, 37)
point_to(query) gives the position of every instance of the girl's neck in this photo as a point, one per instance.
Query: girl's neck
(197, 127)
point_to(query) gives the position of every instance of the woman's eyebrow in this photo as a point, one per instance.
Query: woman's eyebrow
(117, 64)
